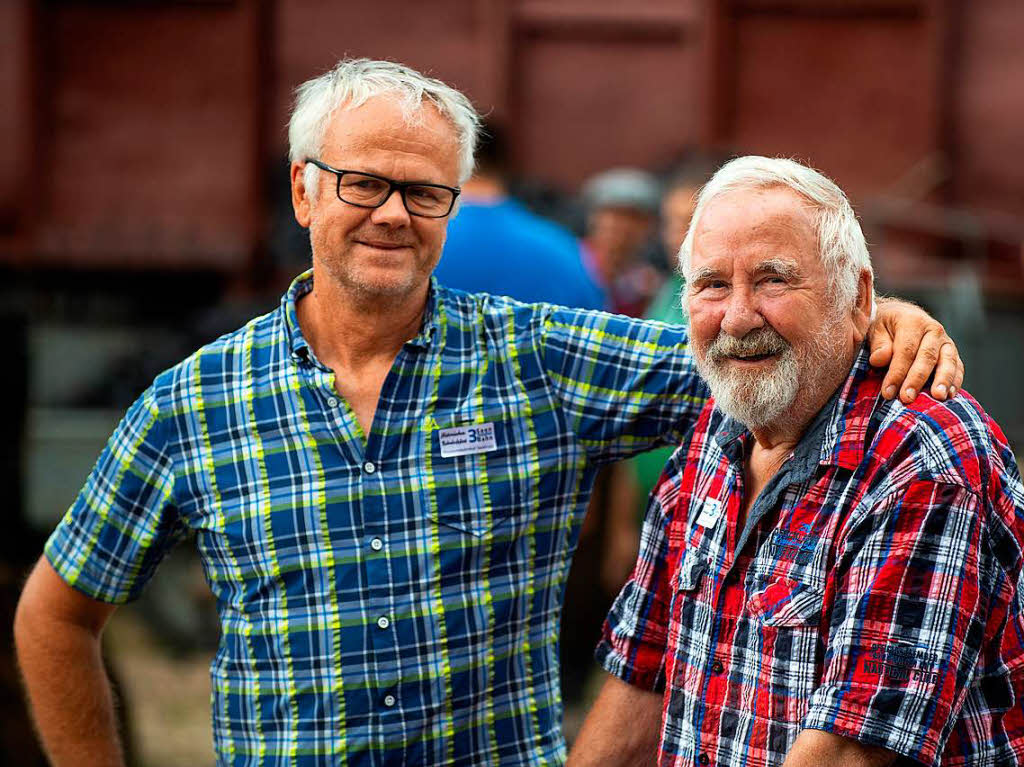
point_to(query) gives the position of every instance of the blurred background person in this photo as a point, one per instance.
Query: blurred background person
(621, 209)
(620, 221)
(496, 245)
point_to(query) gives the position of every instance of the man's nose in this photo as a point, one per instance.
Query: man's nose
(392, 212)
(741, 314)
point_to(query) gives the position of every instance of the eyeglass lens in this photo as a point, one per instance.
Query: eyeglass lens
(426, 200)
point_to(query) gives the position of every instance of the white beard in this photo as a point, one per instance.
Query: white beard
(765, 398)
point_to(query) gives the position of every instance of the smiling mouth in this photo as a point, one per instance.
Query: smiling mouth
(753, 357)
(384, 245)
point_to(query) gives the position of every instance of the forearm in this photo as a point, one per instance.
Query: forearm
(816, 748)
(621, 729)
(68, 690)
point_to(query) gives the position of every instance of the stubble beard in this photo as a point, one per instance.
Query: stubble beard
(389, 288)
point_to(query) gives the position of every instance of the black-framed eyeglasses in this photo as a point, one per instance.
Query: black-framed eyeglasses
(367, 190)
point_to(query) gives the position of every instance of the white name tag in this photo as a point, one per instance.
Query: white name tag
(467, 440)
(710, 513)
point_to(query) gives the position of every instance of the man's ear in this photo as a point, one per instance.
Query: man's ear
(863, 308)
(302, 201)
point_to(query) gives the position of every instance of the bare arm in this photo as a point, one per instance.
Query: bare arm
(622, 728)
(57, 635)
(817, 748)
(912, 344)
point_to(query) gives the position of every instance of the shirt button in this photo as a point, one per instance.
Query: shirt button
(383, 622)
(717, 667)
(376, 544)
(369, 467)
(389, 700)
(704, 759)
(333, 402)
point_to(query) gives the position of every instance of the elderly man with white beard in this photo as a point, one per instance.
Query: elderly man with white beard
(825, 578)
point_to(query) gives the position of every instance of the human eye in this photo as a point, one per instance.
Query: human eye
(709, 286)
(426, 194)
(362, 183)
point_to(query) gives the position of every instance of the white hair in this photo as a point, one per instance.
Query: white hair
(841, 244)
(353, 82)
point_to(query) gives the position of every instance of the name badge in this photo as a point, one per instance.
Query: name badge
(467, 440)
(710, 513)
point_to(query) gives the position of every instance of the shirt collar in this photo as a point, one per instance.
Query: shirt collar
(850, 428)
(303, 284)
(836, 435)
(431, 319)
(297, 343)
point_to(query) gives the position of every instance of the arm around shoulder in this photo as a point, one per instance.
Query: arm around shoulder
(621, 730)
(57, 636)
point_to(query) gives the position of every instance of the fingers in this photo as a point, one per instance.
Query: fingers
(902, 350)
(949, 375)
(881, 345)
(924, 364)
(914, 346)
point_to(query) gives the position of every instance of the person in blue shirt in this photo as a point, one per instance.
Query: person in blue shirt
(496, 245)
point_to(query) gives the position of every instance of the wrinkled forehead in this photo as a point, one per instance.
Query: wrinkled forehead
(737, 223)
(775, 211)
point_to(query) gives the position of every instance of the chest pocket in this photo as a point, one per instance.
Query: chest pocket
(786, 617)
(484, 491)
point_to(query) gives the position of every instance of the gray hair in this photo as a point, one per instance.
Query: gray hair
(841, 244)
(353, 82)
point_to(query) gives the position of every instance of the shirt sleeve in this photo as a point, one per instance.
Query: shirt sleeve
(625, 385)
(908, 610)
(124, 520)
(635, 634)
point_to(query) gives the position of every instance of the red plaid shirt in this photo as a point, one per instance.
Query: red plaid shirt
(875, 591)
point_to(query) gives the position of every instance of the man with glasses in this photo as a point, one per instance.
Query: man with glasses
(384, 478)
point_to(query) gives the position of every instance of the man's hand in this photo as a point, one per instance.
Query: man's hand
(913, 344)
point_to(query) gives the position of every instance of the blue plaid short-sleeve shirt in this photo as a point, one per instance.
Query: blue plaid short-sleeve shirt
(383, 599)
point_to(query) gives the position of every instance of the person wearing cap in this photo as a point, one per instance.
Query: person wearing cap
(621, 207)
(384, 478)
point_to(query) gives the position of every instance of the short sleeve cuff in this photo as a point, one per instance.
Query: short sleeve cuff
(69, 555)
(618, 665)
(904, 724)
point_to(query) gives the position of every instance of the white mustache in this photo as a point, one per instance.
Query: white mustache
(764, 340)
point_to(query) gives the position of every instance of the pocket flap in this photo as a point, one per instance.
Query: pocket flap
(691, 570)
(785, 602)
